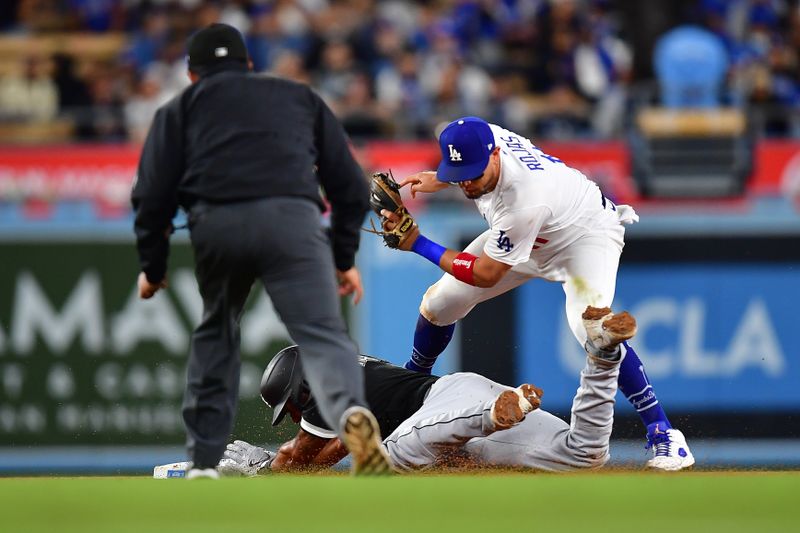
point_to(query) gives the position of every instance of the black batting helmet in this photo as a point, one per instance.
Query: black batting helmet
(283, 381)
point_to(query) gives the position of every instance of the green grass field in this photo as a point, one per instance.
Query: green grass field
(642, 502)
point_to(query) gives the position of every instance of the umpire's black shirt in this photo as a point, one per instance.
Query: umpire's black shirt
(235, 136)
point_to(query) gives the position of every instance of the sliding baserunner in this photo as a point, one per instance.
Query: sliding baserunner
(431, 419)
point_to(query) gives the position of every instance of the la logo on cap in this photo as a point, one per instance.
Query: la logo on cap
(455, 155)
(221, 51)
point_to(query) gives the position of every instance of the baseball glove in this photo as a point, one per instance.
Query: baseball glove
(384, 193)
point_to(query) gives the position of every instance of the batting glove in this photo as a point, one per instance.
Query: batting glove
(245, 459)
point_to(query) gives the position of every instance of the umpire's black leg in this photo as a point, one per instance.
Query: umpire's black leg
(212, 385)
(300, 277)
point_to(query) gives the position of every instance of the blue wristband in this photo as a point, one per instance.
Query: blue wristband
(428, 249)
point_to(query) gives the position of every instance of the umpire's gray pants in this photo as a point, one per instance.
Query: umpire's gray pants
(281, 242)
(456, 416)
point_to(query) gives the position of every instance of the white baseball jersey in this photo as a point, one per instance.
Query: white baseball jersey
(548, 221)
(539, 206)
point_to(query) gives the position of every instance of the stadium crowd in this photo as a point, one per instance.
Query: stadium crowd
(388, 69)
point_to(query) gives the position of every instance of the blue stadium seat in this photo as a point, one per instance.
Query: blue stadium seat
(691, 64)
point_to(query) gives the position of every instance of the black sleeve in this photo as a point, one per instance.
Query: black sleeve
(154, 195)
(344, 183)
(313, 423)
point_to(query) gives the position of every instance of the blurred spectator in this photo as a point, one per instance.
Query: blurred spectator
(141, 107)
(233, 13)
(162, 79)
(602, 66)
(207, 13)
(559, 68)
(561, 111)
(146, 42)
(455, 85)
(557, 22)
(107, 118)
(170, 66)
(765, 62)
(290, 65)
(8, 14)
(570, 70)
(74, 100)
(399, 89)
(339, 19)
(461, 89)
(362, 117)
(29, 93)
(46, 15)
(376, 43)
(98, 15)
(337, 71)
(275, 30)
(509, 104)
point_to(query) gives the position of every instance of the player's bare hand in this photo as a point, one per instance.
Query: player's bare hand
(423, 182)
(350, 283)
(147, 289)
(390, 220)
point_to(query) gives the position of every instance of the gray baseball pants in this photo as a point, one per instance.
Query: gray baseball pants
(281, 242)
(456, 416)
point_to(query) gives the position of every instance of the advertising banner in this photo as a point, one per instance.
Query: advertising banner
(84, 361)
(714, 337)
(103, 174)
(100, 173)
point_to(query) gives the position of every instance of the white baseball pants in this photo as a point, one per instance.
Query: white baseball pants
(587, 269)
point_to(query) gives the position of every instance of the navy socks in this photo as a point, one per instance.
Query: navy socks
(636, 387)
(429, 341)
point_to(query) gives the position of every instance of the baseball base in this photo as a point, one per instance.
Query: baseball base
(172, 470)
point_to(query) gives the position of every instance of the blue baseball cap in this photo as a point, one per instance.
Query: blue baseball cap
(466, 144)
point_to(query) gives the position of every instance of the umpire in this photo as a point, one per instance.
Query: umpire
(245, 155)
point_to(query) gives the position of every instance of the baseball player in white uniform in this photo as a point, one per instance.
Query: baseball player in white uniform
(431, 420)
(546, 220)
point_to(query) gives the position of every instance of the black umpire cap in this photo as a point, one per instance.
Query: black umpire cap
(215, 45)
(282, 381)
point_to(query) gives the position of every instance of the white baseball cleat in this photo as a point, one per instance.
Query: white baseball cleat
(670, 451)
(511, 406)
(606, 329)
(362, 437)
(202, 473)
